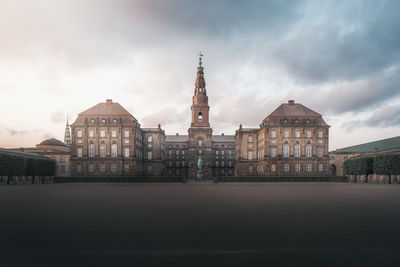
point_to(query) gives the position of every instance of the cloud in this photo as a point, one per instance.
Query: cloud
(13, 132)
(58, 117)
(384, 117)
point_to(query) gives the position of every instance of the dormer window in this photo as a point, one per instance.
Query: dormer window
(115, 120)
(308, 121)
(200, 118)
(296, 121)
(285, 121)
(92, 120)
(103, 120)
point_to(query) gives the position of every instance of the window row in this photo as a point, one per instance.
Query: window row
(297, 134)
(308, 167)
(102, 167)
(102, 133)
(102, 151)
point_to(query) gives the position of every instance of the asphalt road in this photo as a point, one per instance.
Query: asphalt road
(226, 224)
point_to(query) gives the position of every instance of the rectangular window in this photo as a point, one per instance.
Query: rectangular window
(183, 152)
(250, 139)
(320, 134)
(126, 152)
(250, 145)
(103, 134)
(217, 163)
(297, 167)
(320, 167)
(286, 167)
(200, 152)
(102, 167)
(113, 167)
(113, 133)
(216, 152)
(250, 169)
(79, 168)
(320, 152)
(249, 155)
(285, 134)
(320, 141)
(273, 152)
(79, 150)
(126, 167)
(126, 133)
(126, 141)
(149, 145)
(230, 152)
(183, 163)
(177, 152)
(91, 167)
(91, 133)
(149, 155)
(149, 169)
(79, 133)
(297, 134)
(200, 142)
(222, 163)
(62, 169)
(308, 134)
(309, 167)
(62, 159)
(229, 163)
(273, 134)
(177, 164)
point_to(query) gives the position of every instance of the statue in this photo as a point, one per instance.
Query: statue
(200, 164)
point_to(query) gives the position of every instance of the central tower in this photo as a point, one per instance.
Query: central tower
(200, 133)
(200, 107)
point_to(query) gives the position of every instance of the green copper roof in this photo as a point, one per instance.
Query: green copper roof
(384, 144)
(20, 153)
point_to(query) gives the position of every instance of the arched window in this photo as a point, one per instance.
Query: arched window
(114, 150)
(102, 150)
(308, 150)
(200, 117)
(286, 150)
(91, 150)
(297, 150)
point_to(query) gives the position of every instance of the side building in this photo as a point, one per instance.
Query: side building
(384, 146)
(291, 141)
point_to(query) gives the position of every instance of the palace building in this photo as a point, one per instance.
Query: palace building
(106, 140)
(291, 141)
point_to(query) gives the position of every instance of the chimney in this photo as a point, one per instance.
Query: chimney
(177, 134)
(291, 102)
(109, 101)
(222, 134)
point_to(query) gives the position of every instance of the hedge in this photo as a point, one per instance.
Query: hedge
(387, 164)
(359, 166)
(15, 165)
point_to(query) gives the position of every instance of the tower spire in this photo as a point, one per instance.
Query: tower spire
(200, 82)
(200, 108)
(67, 134)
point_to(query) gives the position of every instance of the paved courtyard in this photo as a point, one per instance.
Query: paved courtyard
(226, 224)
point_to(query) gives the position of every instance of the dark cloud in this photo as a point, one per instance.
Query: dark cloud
(13, 132)
(386, 116)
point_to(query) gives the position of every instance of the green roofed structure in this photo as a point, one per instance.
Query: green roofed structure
(384, 146)
(380, 145)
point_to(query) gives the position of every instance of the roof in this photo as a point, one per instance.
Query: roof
(108, 109)
(17, 152)
(177, 138)
(223, 138)
(384, 144)
(52, 142)
(294, 110)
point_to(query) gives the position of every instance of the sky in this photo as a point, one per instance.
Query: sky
(61, 57)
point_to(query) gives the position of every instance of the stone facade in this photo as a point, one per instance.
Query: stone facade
(291, 141)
